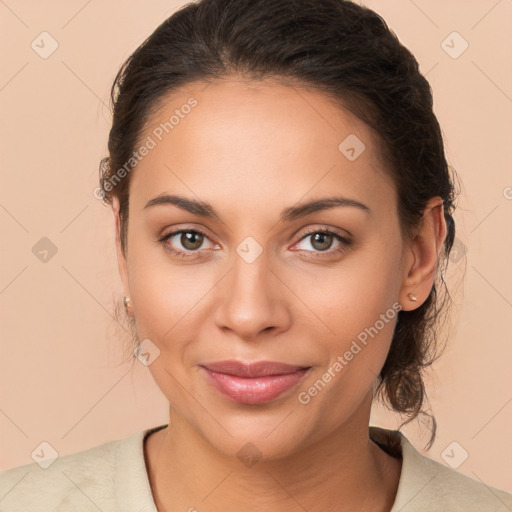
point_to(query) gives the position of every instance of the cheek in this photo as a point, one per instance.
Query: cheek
(359, 307)
(167, 303)
(166, 307)
(360, 346)
(359, 293)
(165, 294)
(356, 356)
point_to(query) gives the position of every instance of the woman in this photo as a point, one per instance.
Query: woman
(283, 212)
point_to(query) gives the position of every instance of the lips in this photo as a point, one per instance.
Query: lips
(252, 383)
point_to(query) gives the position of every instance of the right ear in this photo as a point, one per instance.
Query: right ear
(121, 258)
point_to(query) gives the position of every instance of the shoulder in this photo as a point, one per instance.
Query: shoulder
(427, 485)
(437, 487)
(84, 480)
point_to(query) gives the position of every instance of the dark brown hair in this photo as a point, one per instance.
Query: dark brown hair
(337, 47)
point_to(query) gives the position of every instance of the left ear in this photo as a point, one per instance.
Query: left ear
(422, 255)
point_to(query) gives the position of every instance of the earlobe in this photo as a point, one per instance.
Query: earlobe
(424, 253)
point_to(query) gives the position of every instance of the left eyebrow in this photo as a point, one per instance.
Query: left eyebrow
(288, 214)
(326, 203)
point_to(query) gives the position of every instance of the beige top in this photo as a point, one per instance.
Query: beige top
(112, 477)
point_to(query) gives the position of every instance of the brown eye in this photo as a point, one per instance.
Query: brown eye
(321, 241)
(187, 243)
(191, 240)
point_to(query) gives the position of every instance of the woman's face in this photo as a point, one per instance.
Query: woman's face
(254, 276)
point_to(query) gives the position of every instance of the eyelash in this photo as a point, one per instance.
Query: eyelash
(345, 242)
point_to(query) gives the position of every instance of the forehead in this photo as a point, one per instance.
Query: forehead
(255, 139)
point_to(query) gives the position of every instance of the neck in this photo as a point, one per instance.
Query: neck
(343, 471)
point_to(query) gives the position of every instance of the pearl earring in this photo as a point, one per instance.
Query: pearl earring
(127, 304)
(413, 297)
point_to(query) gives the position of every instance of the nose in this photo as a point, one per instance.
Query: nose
(252, 299)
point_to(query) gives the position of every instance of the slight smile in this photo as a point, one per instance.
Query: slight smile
(253, 383)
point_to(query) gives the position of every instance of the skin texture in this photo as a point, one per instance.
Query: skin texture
(252, 149)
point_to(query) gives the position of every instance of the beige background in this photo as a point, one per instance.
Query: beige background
(61, 376)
